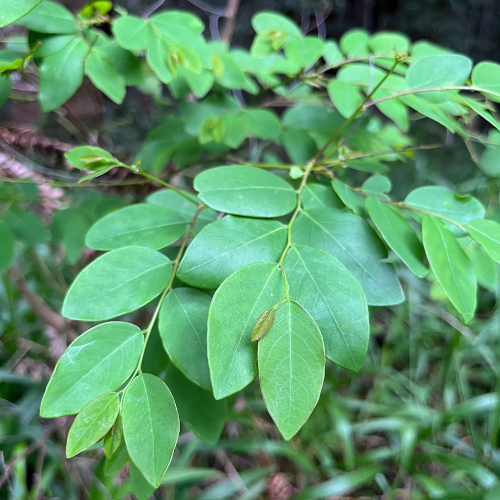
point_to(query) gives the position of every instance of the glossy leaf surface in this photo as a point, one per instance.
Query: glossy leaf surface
(97, 362)
(291, 367)
(116, 283)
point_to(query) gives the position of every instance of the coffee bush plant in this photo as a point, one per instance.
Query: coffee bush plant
(260, 268)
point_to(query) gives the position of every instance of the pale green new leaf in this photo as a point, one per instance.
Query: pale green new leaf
(264, 22)
(335, 300)
(198, 410)
(453, 270)
(92, 423)
(235, 308)
(291, 367)
(487, 234)
(12, 11)
(105, 76)
(398, 234)
(62, 74)
(143, 224)
(346, 97)
(350, 239)
(156, 56)
(228, 244)
(437, 200)
(244, 190)
(49, 17)
(180, 18)
(354, 43)
(116, 283)
(183, 330)
(387, 43)
(150, 426)
(97, 362)
(132, 32)
(75, 156)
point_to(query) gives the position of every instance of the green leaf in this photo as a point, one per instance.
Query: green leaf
(487, 234)
(228, 244)
(27, 227)
(105, 76)
(244, 190)
(486, 75)
(235, 308)
(6, 247)
(200, 84)
(437, 200)
(291, 367)
(76, 154)
(350, 239)
(62, 74)
(345, 97)
(150, 426)
(49, 44)
(11, 11)
(143, 224)
(387, 43)
(398, 234)
(141, 488)
(156, 57)
(485, 269)
(116, 283)
(334, 299)
(198, 410)
(113, 440)
(92, 423)
(438, 71)
(49, 17)
(354, 43)
(377, 185)
(490, 161)
(263, 124)
(263, 324)
(174, 201)
(183, 330)
(453, 270)
(263, 22)
(350, 198)
(304, 51)
(332, 54)
(180, 18)
(97, 362)
(299, 145)
(132, 32)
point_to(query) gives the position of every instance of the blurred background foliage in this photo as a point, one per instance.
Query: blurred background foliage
(422, 418)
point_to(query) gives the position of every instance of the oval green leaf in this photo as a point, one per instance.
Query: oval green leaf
(132, 32)
(97, 362)
(334, 299)
(437, 200)
(49, 17)
(487, 234)
(12, 11)
(235, 308)
(244, 190)
(398, 234)
(449, 263)
(291, 367)
(486, 75)
(144, 224)
(92, 423)
(116, 283)
(350, 239)
(228, 244)
(198, 410)
(150, 426)
(183, 330)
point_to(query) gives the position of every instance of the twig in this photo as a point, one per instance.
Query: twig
(229, 25)
(153, 7)
(37, 303)
(231, 471)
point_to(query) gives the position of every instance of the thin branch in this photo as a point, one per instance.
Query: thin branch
(229, 25)
(153, 7)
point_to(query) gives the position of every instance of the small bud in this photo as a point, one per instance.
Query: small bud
(263, 325)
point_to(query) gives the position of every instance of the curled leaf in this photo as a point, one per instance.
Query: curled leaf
(263, 324)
